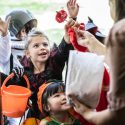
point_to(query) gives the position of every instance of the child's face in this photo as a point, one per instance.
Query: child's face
(38, 49)
(22, 34)
(57, 103)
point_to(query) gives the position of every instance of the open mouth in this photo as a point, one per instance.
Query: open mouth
(43, 54)
(64, 103)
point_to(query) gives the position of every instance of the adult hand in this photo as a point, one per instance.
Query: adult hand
(86, 39)
(82, 109)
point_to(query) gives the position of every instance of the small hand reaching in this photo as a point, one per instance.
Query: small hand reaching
(4, 25)
(73, 8)
(18, 71)
(69, 24)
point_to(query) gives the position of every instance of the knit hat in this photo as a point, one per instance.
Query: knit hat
(42, 88)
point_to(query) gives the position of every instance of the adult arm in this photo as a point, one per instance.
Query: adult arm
(115, 50)
(88, 40)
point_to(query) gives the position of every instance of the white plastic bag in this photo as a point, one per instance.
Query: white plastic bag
(84, 77)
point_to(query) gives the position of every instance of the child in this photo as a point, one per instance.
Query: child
(52, 102)
(22, 21)
(12, 47)
(20, 33)
(41, 63)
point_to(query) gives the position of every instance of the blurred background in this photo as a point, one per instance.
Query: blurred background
(45, 11)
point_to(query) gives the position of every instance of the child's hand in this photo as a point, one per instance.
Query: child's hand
(73, 8)
(70, 23)
(19, 72)
(4, 25)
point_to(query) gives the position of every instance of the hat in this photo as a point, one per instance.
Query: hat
(42, 88)
(93, 29)
(19, 17)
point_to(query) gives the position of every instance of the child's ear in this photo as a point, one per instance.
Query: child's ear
(46, 108)
(27, 54)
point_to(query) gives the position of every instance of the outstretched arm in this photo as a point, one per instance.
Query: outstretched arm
(99, 118)
(114, 115)
(5, 45)
(88, 40)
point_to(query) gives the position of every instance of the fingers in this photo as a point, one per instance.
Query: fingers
(15, 72)
(72, 23)
(71, 2)
(8, 21)
(75, 103)
(19, 72)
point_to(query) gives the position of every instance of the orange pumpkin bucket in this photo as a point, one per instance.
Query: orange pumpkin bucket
(14, 98)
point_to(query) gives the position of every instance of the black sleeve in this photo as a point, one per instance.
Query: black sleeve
(61, 53)
(75, 18)
(12, 81)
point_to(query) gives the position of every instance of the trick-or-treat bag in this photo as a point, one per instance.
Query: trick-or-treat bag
(84, 77)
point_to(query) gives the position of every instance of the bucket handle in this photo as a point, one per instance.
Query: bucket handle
(11, 76)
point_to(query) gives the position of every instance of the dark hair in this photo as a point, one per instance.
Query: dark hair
(28, 27)
(19, 19)
(55, 87)
(119, 10)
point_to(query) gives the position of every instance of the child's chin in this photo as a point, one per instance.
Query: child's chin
(67, 106)
(44, 60)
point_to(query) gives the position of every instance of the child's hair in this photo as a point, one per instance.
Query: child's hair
(33, 33)
(47, 90)
(28, 27)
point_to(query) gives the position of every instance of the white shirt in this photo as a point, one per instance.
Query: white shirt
(6, 48)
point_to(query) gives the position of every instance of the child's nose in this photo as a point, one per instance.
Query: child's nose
(42, 47)
(63, 96)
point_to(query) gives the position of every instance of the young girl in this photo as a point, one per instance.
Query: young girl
(41, 63)
(52, 102)
(52, 64)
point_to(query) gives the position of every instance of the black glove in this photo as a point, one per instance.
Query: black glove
(18, 71)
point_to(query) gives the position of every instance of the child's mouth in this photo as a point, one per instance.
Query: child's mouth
(43, 53)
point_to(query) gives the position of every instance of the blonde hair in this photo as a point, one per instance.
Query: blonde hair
(33, 33)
